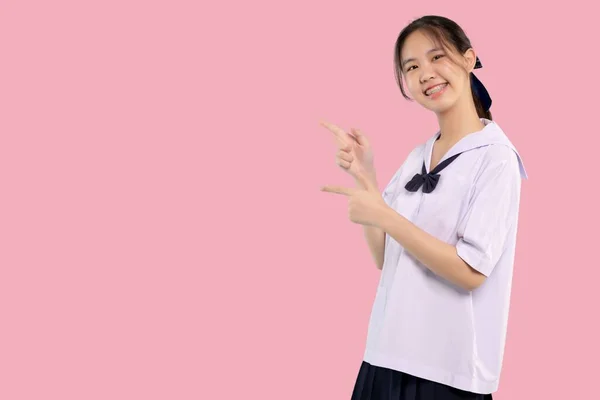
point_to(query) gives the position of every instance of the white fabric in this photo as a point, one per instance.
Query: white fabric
(423, 325)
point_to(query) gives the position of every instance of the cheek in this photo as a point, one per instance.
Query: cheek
(449, 74)
(414, 88)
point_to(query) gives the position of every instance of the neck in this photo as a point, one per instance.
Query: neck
(459, 121)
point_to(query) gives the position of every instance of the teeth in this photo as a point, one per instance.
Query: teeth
(436, 89)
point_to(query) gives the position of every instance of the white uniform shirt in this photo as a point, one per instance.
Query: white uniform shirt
(422, 324)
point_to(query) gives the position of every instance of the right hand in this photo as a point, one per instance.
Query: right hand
(354, 154)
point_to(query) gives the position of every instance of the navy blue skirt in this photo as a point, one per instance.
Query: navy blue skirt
(378, 383)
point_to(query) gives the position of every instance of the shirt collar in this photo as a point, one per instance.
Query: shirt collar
(491, 134)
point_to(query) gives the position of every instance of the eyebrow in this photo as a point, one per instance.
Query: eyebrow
(413, 59)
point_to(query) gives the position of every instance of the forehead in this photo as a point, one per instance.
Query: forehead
(418, 44)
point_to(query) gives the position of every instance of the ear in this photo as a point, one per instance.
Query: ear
(470, 59)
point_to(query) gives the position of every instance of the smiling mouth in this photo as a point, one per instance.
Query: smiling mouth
(435, 89)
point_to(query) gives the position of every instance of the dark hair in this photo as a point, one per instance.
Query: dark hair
(447, 33)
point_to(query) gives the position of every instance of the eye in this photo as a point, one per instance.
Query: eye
(411, 67)
(436, 57)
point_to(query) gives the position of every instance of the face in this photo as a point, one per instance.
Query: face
(435, 78)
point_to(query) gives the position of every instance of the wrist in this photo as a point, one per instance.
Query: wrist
(384, 217)
(370, 174)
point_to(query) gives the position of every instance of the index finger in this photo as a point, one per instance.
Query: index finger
(338, 189)
(341, 135)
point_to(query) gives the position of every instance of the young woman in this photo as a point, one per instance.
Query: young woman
(443, 231)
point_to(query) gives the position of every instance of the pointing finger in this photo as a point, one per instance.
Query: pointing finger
(339, 190)
(340, 135)
(332, 127)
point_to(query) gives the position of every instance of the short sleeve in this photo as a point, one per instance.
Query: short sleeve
(390, 188)
(492, 210)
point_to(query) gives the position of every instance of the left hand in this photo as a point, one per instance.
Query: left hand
(365, 206)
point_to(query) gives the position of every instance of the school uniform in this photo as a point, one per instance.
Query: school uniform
(427, 338)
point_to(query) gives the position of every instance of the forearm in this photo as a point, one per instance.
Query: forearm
(375, 238)
(440, 257)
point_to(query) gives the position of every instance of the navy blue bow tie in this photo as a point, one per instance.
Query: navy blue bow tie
(430, 180)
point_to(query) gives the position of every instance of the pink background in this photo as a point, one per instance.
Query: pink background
(162, 231)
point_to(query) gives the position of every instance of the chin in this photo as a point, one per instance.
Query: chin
(441, 110)
(439, 106)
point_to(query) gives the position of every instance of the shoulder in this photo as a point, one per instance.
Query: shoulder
(418, 150)
(410, 162)
(500, 153)
(498, 162)
(417, 153)
(414, 155)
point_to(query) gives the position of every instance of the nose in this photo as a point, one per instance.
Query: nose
(426, 73)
